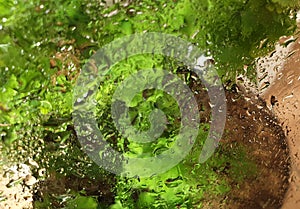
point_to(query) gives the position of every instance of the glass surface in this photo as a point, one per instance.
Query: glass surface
(149, 104)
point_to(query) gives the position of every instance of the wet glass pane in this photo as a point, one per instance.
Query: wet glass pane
(149, 104)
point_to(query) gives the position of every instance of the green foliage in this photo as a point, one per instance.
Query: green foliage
(140, 107)
(35, 89)
(81, 202)
(187, 184)
(76, 201)
(39, 64)
(235, 32)
(286, 4)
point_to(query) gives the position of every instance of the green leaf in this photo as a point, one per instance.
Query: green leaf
(45, 107)
(81, 202)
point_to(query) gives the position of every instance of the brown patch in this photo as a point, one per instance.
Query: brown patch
(250, 124)
(286, 89)
(57, 184)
